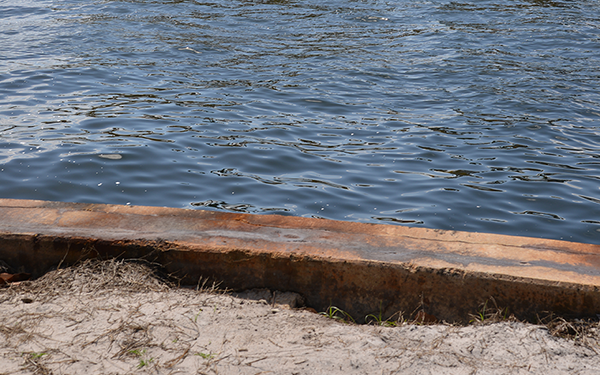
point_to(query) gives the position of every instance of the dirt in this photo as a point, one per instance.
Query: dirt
(121, 318)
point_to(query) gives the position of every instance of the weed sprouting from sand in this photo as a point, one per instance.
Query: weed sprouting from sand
(480, 316)
(488, 315)
(33, 362)
(205, 355)
(141, 354)
(137, 352)
(37, 355)
(144, 362)
(336, 313)
(378, 320)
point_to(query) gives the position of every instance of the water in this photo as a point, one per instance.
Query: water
(468, 115)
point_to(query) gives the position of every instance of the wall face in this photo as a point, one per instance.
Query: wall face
(360, 268)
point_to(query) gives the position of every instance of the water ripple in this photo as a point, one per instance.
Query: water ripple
(479, 116)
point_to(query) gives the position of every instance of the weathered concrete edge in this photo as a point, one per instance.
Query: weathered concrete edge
(327, 265)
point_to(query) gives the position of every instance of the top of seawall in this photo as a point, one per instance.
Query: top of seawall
(360, 268)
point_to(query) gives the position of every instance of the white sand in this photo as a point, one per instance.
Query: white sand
(79, 323)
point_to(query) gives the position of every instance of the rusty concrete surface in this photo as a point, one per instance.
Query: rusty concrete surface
(360, 268)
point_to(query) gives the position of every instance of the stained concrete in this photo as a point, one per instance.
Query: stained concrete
(360, 268)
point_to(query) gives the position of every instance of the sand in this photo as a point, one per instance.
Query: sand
(120, 318)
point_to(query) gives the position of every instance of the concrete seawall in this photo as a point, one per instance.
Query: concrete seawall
(359, 268)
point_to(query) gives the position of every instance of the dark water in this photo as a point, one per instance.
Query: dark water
(467, 115)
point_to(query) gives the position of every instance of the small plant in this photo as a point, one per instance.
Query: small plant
(491, 315)
(480, 317)
(378, 320)
(205, 356)
(35, 355)
(143, 361)
(33, 362)
(137, 352)
(333, 312)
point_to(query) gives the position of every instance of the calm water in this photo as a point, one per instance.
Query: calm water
(468, 115)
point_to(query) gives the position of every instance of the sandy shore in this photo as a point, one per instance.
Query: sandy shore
(119, 318)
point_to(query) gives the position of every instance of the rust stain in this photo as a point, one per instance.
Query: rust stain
(6, 278)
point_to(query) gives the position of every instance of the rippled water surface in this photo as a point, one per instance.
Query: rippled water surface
(468, 115)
